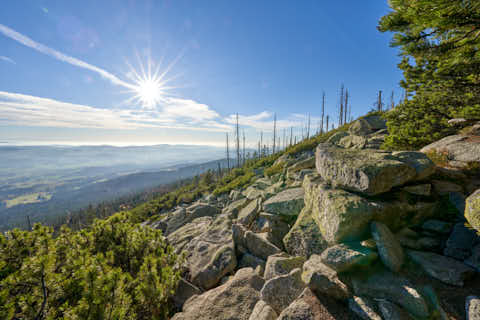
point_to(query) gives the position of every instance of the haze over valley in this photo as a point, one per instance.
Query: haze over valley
(49, 180)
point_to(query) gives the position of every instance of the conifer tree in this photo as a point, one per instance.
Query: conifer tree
(438, 41)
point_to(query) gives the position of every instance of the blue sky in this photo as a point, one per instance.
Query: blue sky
(65, 74)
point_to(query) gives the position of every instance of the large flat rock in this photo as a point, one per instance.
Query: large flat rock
(445, 269)
(233, 300)
(211, 255)
(370, 172)
(342, 257)
(461, 149)
(344, 216)
(288, 202)
(387, 285)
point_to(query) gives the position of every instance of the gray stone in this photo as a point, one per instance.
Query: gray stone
(367, 125)
(183, 235)
(211, 255)
(429, 244)
(185, 290)
(364, 307)
(281, 264)
(457, 199)
(308, 163)
(474, 260)
(251, 261)
(343, 257)
(461, 149)
(389, 249)
(442, 268)
(437, 226)
(305, 237)
(353, 142)
(288, 202)
(472, 210)
(252, 193)
(233, 300)
(238, 234)
(424, 167)
(249, 213)
(459, 244)
(305, 307)
(323, 280)
(259, 246)
(263, 311)
(420, 190)
(443, 187)
(337, 136)
(472, 308)
(281, 291)
(387, 285)
(182, 216)
(370, 172)
(434, 303)
(340, 215)
(235, 195)
(343, 216)
(235, 206)
(274, 225)
(391, 311)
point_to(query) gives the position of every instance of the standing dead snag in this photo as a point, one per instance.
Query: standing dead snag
(274, 132)
(323, 111)
(237, 131)
(228, 154)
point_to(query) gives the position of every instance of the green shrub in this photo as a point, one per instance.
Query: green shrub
(113, 270)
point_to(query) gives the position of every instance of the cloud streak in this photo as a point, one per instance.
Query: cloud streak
(26, 41)
(21, 109)
(7, 59)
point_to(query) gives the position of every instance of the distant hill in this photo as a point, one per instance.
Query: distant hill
(49, 180)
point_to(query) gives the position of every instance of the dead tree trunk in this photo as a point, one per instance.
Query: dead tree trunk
(274, 132)
(323, 111)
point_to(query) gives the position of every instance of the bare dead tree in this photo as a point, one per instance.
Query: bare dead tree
(308, 127)
(274, 132)
(346, 107)
(284, 139)
(228, 154)
(261, 142)
(237, 138)
(392, 100)
(328, 118)
(243, 131)
(340, 119)
(291, 136)
(379, 101)
(323, 111)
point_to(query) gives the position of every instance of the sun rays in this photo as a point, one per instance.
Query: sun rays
(150, 85)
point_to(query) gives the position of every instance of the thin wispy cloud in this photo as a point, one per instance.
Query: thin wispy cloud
(21, 109)
(7, 59)
(26, 41)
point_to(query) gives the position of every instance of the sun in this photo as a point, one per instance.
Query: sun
(149, 92)
(149, 85)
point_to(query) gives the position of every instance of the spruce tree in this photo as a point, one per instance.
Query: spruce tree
(438, 41)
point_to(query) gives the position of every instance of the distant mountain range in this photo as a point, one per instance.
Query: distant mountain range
(49, 180)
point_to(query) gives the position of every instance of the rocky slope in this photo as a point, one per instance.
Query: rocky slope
(346, 231)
